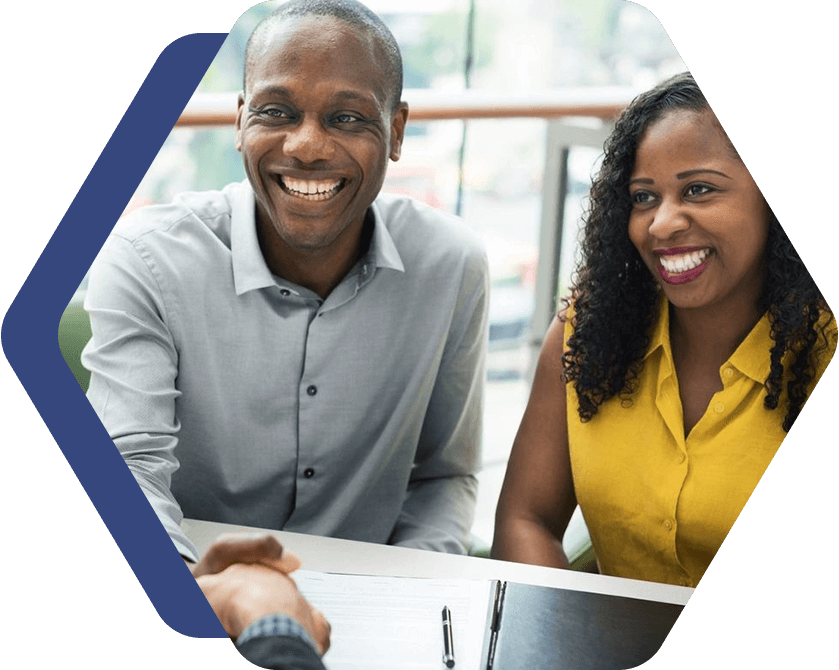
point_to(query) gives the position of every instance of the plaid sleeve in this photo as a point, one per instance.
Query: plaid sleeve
(275, 624)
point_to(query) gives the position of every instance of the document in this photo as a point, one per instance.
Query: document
(394, 622)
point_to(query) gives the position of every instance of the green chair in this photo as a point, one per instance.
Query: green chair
(73, 334)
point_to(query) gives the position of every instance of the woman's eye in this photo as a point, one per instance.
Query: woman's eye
(698, 189)
(641, 197)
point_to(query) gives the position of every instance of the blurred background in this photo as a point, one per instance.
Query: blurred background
(510, 104)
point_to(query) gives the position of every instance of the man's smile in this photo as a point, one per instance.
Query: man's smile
(312, 190)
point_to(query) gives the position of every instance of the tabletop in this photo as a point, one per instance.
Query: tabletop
(328, 554)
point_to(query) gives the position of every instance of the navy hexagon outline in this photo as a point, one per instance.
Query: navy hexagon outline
(30, 335)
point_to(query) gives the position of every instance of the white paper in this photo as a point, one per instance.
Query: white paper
(396, 622)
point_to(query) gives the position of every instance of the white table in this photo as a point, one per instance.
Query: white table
(327, 554)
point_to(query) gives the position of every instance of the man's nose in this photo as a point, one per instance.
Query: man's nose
(308, 142)
(669, 218)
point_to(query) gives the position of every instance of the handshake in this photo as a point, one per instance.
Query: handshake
(245, 578)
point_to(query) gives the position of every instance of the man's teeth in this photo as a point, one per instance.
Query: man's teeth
(312, 190)
(683, 262)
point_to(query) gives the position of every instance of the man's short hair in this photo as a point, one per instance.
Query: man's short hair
(349, 11)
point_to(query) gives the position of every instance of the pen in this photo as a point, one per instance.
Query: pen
(448, 638)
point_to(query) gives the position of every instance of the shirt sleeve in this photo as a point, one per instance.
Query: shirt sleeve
(439, 508)
(133, 363)
(275, 624)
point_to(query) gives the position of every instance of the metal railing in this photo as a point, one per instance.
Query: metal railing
(219, 109)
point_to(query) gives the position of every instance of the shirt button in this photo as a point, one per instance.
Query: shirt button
(308, 473)
(719, 408)
(681, 459)
(667, 524)
(312, 390)
(727, 373)
(285, 291)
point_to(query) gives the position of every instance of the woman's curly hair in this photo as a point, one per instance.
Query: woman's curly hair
(615, 296)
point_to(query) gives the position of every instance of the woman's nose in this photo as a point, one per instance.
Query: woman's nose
(669, 218)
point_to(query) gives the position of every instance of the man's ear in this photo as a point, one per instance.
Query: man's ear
(398, 120)
(240, 111)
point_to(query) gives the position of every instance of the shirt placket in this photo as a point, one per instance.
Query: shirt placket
(668, 402)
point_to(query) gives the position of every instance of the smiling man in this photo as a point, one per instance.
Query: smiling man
(299, 351)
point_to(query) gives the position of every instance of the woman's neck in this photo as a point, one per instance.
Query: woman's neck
(711, 334)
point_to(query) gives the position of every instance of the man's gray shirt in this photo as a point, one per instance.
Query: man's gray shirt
(238, 397)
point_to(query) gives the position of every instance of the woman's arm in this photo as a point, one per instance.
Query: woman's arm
(537, 498)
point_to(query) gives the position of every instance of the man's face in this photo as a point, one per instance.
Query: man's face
(315, 129)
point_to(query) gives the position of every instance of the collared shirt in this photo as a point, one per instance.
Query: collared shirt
(238, 397)
(658, 504)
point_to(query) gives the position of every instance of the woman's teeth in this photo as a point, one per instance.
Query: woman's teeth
(683, 262)
(311, 190)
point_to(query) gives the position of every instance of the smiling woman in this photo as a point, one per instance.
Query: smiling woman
(697, 213)
(692, 339)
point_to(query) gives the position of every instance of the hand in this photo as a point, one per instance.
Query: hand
(261, 548)
(244, 593)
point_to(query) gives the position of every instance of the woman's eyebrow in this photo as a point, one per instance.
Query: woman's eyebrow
(690, 173)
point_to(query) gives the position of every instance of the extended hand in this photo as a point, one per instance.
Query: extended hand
(243, 593)
(261, 548)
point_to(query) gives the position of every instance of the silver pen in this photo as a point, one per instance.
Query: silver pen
(448, 638)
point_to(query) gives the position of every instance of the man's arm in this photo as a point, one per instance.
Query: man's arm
(439, 508)
(133, 363)
(245, 580)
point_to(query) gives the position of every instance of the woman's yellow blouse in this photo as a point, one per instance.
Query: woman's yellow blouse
(658, 505)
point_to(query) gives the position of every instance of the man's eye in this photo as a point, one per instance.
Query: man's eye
(271, 112)
(347, 118)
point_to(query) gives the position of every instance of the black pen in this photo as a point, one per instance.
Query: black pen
(448, 638)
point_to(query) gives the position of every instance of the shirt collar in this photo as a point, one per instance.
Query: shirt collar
(751, 357)
(660, 337)
(383, 252)
(250, 271)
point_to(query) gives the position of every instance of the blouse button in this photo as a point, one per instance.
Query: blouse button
(681, 459)
(719, 408)
(727, 373)
(667, 524)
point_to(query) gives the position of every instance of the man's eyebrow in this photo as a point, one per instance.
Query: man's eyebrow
(270, 91)
(283, 92)
(355, 96)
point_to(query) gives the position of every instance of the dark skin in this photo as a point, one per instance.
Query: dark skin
(700, 347)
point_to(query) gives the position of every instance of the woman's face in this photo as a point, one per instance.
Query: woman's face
(698, 219)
